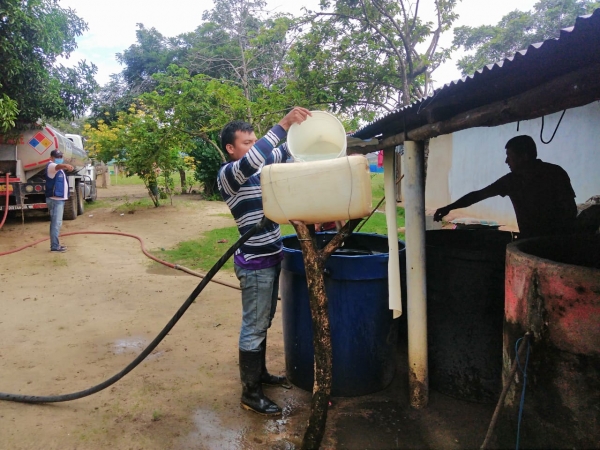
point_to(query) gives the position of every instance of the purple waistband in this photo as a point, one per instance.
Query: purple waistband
(262, 262)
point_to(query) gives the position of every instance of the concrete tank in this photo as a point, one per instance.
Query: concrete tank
(553, 290)
(33, 149)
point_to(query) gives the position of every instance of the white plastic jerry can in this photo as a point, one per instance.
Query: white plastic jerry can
(316, 192)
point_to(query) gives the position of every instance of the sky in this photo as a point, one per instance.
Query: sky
(112, 25)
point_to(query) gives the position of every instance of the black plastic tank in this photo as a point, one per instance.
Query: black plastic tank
(364, 334)
(465, 309)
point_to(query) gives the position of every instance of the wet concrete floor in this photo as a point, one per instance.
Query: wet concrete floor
(382, 420)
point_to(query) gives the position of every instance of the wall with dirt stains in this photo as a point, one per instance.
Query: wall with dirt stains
(552, 290)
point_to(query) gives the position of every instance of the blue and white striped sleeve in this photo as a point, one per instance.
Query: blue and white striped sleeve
(234, 175)
(279, 155)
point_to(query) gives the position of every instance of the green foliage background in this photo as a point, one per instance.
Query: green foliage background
(33, 35)
(516, 31)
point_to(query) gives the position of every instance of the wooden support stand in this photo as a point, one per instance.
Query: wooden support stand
(314, 264)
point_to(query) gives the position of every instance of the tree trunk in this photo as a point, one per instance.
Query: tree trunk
(183, 181)
(152, 187)
(314, 263)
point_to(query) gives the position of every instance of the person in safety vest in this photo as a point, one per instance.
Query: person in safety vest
(57, 192)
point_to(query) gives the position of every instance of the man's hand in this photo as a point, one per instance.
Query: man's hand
(441, 213)
(67, 167)
(296, 115)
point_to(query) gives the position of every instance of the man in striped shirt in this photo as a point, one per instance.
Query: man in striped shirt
(258, 261)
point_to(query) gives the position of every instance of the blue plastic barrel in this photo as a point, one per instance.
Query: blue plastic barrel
(364, 334)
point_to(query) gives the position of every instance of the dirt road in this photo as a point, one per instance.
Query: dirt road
(71, 320)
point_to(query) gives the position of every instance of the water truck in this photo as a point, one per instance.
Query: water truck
(23, 161)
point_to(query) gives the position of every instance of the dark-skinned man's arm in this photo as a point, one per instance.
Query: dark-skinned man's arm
(465, 201)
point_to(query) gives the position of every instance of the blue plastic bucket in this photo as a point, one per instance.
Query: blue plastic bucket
(364, 334)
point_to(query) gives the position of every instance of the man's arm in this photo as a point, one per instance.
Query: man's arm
(53, 168)
(67, 167)
(234, 175)
(465, 201)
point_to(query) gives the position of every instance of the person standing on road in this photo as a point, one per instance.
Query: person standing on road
(258, 261)
(541, 193)
(57, 192)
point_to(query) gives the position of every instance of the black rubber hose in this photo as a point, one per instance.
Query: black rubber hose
(76, 395)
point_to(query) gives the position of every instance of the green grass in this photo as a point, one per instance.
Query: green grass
(121, 179)
(97, 204)
(377, 188)
(132, 207)
(377, 222)
(60, 262)
(202, 253)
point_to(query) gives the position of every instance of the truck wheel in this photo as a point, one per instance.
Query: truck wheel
(93, 193)
(70, 212)
(80, 189)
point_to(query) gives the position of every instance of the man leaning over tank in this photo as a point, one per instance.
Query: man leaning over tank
(258, 261)
(541, 193)
(57, 192)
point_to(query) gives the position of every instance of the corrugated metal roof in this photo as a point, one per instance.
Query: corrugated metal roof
(577, 47)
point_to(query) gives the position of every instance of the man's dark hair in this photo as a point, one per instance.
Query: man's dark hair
(228, 132)
(523, 146)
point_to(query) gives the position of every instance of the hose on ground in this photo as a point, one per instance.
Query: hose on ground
(119, 233)
(6, 196)
(86, 392)
(511, 379)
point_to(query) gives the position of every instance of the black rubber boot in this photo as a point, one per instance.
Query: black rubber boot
(253, 398)
(265, 376)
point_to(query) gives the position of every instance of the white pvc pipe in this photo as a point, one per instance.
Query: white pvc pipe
(389, 185)
(414, 203)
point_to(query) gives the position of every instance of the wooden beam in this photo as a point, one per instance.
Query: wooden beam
(358, 146)
(569, 91)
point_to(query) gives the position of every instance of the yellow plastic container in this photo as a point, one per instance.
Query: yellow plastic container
(319, 191)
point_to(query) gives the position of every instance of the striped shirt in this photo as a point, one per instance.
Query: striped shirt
(239, 185)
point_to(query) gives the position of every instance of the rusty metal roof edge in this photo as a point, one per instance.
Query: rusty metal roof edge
(506, 62)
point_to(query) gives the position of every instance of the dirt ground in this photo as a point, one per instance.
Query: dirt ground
(71, 320)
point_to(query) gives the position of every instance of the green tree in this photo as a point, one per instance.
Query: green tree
(33, 34)
(199, 107)
(152, 54)
(73, 126)
(516, 31)
(239, 43)
(364, 56)
(114, 97)
(236, 43)
(207, 161)
(8, 113)
(143, 145)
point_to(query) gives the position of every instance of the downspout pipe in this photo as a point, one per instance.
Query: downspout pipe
(414, 184)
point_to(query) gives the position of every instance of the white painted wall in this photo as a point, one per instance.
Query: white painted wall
(471, 159)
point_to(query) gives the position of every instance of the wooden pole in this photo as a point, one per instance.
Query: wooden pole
(314, 263)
